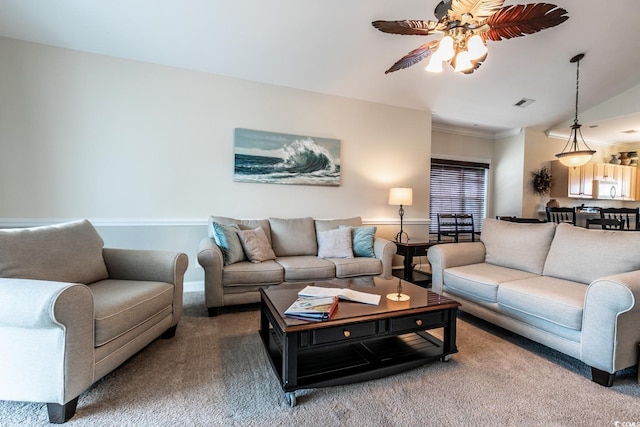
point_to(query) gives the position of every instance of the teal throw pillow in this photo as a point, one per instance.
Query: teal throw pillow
(363, 238)
(227, 239)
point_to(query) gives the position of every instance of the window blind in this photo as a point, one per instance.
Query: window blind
(458, 187)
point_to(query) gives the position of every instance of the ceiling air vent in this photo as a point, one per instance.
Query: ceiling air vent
(524, 102)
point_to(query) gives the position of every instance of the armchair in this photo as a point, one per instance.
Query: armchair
(73, 311)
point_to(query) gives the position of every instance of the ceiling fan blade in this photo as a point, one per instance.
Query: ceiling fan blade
(479, 9)
(522, 19)
(407, 27)
(442, 9)
(413, 57)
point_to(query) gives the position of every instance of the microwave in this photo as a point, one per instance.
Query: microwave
(607, 189)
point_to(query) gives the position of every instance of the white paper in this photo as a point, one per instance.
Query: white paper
(346, 294)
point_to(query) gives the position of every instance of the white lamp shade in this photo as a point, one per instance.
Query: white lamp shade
(401, 196)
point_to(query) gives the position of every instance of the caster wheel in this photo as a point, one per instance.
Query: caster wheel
(446, 358)
(291, 398)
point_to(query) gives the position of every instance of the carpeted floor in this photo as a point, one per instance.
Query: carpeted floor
(215, 373)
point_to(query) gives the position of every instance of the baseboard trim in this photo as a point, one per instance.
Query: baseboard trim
(193, 286)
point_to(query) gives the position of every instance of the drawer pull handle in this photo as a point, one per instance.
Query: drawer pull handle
(419, 322)
(346, 333)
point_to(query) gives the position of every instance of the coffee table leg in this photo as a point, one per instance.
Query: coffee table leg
(290, 366)
(449, 342)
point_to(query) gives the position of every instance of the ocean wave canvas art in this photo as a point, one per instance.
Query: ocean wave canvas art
(279, 158)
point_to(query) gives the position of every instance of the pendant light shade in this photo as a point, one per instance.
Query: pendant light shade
(572, 155)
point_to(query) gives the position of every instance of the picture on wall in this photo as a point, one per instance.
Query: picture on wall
(279, 158)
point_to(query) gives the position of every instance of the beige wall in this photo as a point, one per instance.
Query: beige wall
(92, 136)
(507, 175)
(135, 146)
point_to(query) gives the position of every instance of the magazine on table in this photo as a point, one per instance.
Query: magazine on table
(342, 293)
(313, 308)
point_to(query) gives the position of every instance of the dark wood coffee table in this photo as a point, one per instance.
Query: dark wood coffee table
(361, 342)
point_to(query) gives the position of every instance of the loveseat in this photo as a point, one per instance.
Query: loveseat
(569, 288)
(72, 311)
(242, 255)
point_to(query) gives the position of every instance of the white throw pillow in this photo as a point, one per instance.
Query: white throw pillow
(335, 243)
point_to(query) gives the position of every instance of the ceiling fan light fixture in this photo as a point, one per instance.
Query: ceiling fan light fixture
(434, 65)
(572, 155)
(445, 48)
(463, 62)
(476, 47)
(466, 26)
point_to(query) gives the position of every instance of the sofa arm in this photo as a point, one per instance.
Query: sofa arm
(211, 259)
(150, 265)
(46, 330)
(385, 250)
(449, 255)
(610, 333)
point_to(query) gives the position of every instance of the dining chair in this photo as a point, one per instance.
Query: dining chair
(559, 215)
(519, 219)
(454, 225)
(606, 223)
(631, 216)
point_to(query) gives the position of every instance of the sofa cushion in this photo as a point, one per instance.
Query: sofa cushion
(583, 255)
(294, 236)
(121, 305)
(480, 281)
(521, 246)
(335, 243)
(227, 239)
(330, 224)
(255, 245)
(360, 266)
(306, 268)
(68, 252)
(363, 238)
(250, 274)
(554, 300)
(243, 224)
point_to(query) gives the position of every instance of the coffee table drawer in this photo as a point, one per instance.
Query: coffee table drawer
(416, 322)
(343, 333)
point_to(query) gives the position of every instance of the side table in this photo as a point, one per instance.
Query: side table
(409, 250)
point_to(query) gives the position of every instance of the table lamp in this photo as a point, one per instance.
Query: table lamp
(404, 197)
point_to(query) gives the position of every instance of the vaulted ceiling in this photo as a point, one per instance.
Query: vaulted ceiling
(330, 47)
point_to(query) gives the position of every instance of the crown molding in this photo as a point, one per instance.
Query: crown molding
(477, 133)
(564, 137)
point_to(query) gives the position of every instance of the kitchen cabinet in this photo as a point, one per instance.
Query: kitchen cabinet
(605, 171)
(572, 182)
(580, 181)
(627, 176)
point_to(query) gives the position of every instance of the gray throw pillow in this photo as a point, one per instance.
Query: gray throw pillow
(256, 245)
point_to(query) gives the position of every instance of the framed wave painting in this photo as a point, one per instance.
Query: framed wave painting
(279, 158)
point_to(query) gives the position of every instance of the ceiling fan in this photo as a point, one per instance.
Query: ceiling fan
(467, 25)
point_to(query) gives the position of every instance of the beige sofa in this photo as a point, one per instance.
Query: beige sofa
(303, 249)
(569, 288)
(72, 311)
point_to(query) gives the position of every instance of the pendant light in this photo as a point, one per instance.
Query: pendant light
(571, 154)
